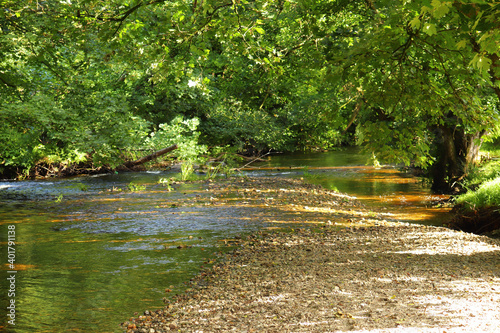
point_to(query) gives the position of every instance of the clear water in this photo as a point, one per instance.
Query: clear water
(90, 253)
(89, 261)
(409, 198)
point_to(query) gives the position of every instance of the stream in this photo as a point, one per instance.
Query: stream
(91, 251)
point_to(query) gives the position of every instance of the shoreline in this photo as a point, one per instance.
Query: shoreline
(335, 266)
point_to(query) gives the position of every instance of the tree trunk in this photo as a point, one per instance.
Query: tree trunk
(150, 157)
(456, 152)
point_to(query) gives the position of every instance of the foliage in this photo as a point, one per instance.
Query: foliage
(418, 100)
(186, 169)
(231, 123)
(134, 187)
(166, 183)
(487, 169)
(491, 148)
(486, 196)
(44, 130)
(411, 80)
(483, 185)
(98, 82)
(31, 131)
(59, 198)
(181, 132)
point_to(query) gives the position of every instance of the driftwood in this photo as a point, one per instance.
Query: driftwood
(148, 158)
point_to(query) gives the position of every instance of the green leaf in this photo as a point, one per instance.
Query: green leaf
(194, 49)
(440, 9)
(415, 23)
(435, 3)
(430, 29)
(259, 30)
(460, 45)
(481, 62)
(426, 10)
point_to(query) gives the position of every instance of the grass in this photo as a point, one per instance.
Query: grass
(308, 175)
(488, 170)
(483, 181)
(491, 148)
(485, 196)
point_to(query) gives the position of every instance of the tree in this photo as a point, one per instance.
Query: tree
(415, 81)
(64, 97)
(474, 31)
(423, 103)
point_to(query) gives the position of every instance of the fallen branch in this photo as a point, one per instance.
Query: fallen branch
(258, 158)
(148, 158)
(250, 158)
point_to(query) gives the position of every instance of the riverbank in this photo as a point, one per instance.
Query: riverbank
(336, 265)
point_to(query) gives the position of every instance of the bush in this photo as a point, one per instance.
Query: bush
(232, 123)
(35, 130)
(182, 132)
(96, 128)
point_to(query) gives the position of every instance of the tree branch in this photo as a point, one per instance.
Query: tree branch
(12, 86)
(150, 157)
(354, 115)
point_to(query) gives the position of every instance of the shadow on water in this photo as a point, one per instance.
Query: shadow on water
(91, 251)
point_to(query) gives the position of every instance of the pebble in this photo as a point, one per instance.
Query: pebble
(273, 283)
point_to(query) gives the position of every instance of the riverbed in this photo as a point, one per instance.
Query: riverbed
(92, 251)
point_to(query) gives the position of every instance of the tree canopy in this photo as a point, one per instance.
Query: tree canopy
(97, 82)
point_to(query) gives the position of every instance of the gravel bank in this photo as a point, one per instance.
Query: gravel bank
(375, 275)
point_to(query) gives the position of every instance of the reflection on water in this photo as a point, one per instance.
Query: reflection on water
(94, 258)
(90, 261)
(407, 197)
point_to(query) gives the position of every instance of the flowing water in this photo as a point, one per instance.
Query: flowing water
(91, 251)
(409, 198)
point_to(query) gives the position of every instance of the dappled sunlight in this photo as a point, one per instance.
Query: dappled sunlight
(370, 278)
(465, 311)
(83, 241)
(410, 207)
(327, 205)
(276, 168)
(273, 299)
(421, 215)
(443, 243)
(338, 264)
(401, 199)
(388, 188)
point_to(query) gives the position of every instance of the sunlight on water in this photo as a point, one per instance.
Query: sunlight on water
(90, 252)
(89, 262)
(408, 198)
